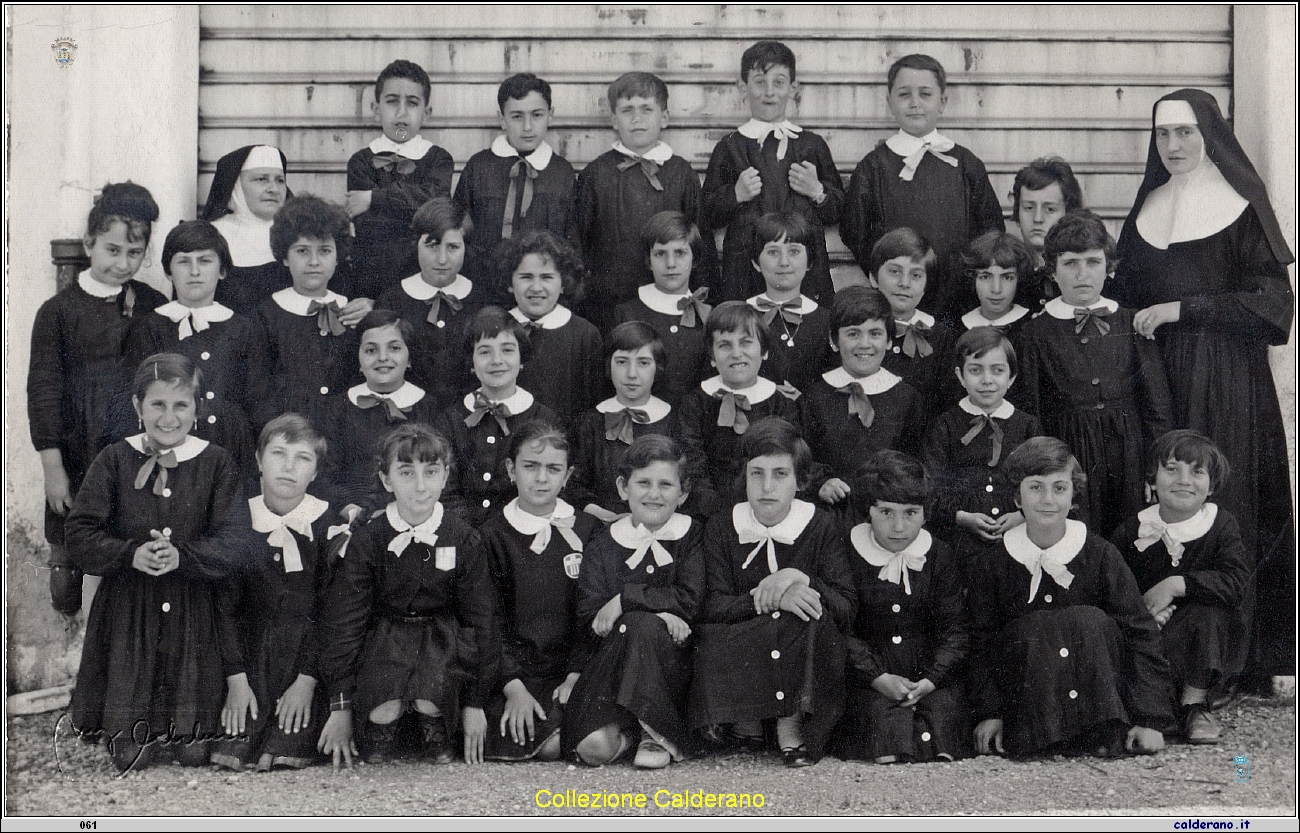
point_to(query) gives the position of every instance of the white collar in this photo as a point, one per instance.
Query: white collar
(917, 315)
(539, 158)
(659, 301)
(975, 318)
(413, 148)
(404, 397)
(1190, 206)
(553, 320)
(877, 383)
(905, 144)
(425, 533)
(1057, 308)
(760, 391)
(658, 154)
(1003, 411)
(626, 535)
(189, 448)
(95, 288)
(893, 565)
(517, 403)
(290, 301)
(752, 531)
(784, 130)
(806, 305)
(562, 517)
(299, 520)
(194, 319)
(1052, 560)
(655, 408)
(417, 288)
(1151, 528)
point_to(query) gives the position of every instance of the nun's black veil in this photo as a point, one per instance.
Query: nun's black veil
(225, 179)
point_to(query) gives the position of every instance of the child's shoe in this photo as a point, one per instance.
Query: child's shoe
(1200, 725)
(381, 742)
(650, 755)
(434, 740)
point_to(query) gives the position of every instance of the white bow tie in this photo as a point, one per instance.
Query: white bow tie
(282, 527)
(913, 150)
(763, 535)
(894, 566)
(565, 525)
(784, 131)
(425, 533)
(647, 541)
(1051, 560)
(1151, 531)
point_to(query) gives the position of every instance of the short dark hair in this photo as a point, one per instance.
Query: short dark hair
(920, 61)
(667, 226)
(633, 335)
(656, 448)
(778, 225)
(518, 86)
(1193, 447)
(489, 322)
(638, 85)
(539, 431)
(294, 428)
(764, 55)
(195, 236)
(1078, 231)
(311, 217)
(439, 216)
(893, 477)
(404, 69)
(977, 341)
(902, 242)
(512, 251)
(773, 435)
(413, 442)
(377, 318)
(857, 304)
(996, 248)
(126, 202)
(172, 368)
(735, 317)
(1037, 456)
(1041, 173)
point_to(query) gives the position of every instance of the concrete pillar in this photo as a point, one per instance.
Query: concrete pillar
(125, 108)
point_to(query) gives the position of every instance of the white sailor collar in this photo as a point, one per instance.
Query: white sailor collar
(1003, 411)
(659, 301)
(975, 318)
(863, 539)
(1059, 309)
(94, 288)
(791, 527)
(806, 305)
(290, 301)
(877, 383)
(624, 532)
(1184, 531)
(758, 130)
(553, 320)
(188, 449)
(760, 391)
(404, 397)
(416, 287)
(655, 408)
(539, 158)
(658, 154)
(399, 524)
(530, 524)
(905, 144)
(917, 316)
(413, 148)
(212, 313)
(1018, 546)
(299, 518)
(517, 403)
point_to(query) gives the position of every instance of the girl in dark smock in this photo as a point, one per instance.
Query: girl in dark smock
(1203, 258)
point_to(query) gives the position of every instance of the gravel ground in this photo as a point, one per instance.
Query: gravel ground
(1183, 780)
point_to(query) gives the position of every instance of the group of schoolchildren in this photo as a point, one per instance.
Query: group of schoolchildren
(484, 525)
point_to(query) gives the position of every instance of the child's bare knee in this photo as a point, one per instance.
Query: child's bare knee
(386, 713)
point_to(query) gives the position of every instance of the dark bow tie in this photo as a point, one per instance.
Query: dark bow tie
(650, 169)
(859, 403)
(483, 406)
(162, 461)
(789, 310)
(915, 342)
(521, 169)
(366, 401)
(618, 425)
(1096, 316)
(435, 305)
(327, 317)
(977, 424)
(390, 161)
(732, 413)
(693, 307)
(126, 300)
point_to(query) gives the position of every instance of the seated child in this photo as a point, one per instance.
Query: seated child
(77, 364)
(247, 190)
(1194, 573)
(966, 449)
(1065, 656)
(779, 250)
(310, 331)
(770, 164)
(714, 416)
(412, 591)
(371, 409)
(672, 246)
(267, 614)
(158, 517)
(393, 176)
(620, 190)
(1043, 192)
(1090, 377)
(859, 407)
(479, 426)
(758, 626)
(519, 183)
(565, 370)
(438, 302)
(911, 634)
(901, 263)
(634, 356)
(534, 547)
(996, 265)
(641, 586)
(920, 179)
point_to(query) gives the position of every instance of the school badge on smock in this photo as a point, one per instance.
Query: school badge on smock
(65, 51)
(444, 558)
(572, 563)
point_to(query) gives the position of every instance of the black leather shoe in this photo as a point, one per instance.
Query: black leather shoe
(381, 742)
(433, 734)
(797, 757)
